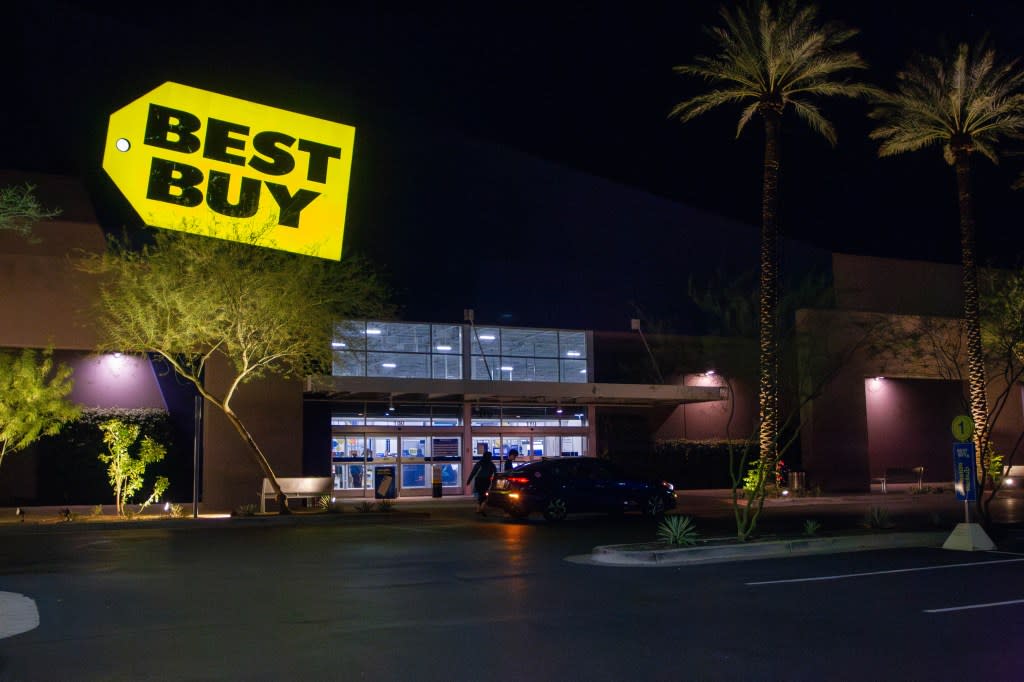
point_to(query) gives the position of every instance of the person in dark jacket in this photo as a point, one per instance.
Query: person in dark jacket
(510, 463)
(481, 475)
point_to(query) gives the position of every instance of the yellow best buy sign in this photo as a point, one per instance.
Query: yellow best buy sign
(196, 161)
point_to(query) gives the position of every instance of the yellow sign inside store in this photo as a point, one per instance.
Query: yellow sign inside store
(192, 160)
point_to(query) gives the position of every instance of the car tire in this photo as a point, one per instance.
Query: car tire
(555, 510)
(654, 506)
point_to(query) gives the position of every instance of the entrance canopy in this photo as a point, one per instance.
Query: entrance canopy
(381, 388)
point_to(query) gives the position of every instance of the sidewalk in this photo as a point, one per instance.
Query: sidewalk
(711, 509)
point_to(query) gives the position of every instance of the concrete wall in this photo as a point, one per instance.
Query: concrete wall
(902, 287)
(271, 409)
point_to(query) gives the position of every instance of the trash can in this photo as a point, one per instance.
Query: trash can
(796, 480)
(384, 477)
(435, 481)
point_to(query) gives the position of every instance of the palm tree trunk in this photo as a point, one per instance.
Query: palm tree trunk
(768, 404)
(972, 315)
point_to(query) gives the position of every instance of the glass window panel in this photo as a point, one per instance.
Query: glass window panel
(348, 364)
(485, 341)
(447, 338)
(512, 369)
(398, 337)
(350, 476)
(572, 344)
(486, 415)
(574, 371)
(531, 343)
(542, 369)
(414, 476)
(446, 366)
(401, 365)
(447, 415)
(349, 334)
(486, 370)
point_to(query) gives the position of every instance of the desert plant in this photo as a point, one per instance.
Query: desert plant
(176, 511)
(877, 518)
(97, 510)
(126, 471)
(678, 530)
(324, 503)
(386, 506)
(811, 527)
(365, 506)
(245, 510)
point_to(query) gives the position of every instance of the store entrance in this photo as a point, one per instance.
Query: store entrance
(529, 447)
(390, 464)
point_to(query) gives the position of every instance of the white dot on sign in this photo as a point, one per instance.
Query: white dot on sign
(122, 144)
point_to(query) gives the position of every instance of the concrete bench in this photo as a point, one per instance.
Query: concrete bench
(305, 487)
(900, 475)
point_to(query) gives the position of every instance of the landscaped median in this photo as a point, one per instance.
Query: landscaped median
(726, 549)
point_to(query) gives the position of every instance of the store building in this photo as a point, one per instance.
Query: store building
(404, 397)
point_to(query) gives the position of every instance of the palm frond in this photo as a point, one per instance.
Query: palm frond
(818, 123)
(768, 56)
(967, 96)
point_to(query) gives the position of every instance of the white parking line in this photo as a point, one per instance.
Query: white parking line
(975, 606)
(896, 570)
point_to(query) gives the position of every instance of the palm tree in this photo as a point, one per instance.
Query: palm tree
(771, 59)
(968, 103)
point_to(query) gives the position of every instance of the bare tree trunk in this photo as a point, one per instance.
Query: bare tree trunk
(972, 317)
(258, 455)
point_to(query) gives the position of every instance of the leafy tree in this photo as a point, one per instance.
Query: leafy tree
(33, 400)
(189, 298)
(770, 59)
(20, 210)
(968, 103)
(126, 472)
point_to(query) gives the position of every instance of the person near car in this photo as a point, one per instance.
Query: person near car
(480, 477)
(510, 462)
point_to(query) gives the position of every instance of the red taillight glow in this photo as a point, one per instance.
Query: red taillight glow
(521, 480)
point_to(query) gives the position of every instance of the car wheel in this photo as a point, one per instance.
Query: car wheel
(555, 509)
(654, 506)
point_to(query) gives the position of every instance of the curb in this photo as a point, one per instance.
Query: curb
(268, 521)
(621, 555)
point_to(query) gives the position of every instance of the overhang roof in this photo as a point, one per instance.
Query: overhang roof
(442, 390)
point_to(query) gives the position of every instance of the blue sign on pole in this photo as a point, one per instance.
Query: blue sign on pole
(965, 478)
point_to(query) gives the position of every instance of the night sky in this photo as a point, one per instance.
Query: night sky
(504, 151)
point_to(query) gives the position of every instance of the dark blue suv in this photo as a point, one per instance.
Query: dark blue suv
(563, 485)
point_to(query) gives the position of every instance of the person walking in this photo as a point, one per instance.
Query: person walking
(481, 475)
(510, 461)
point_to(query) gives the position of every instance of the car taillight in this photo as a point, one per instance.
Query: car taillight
(521, 480)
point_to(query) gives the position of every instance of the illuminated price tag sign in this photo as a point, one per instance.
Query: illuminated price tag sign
(196, 161)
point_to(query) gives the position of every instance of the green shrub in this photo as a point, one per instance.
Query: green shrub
(811, 527)
(365, 506)
(877, 518)
(386, 506)
(245, 510)
(678, 530)
(324, 503)
(176, 511)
